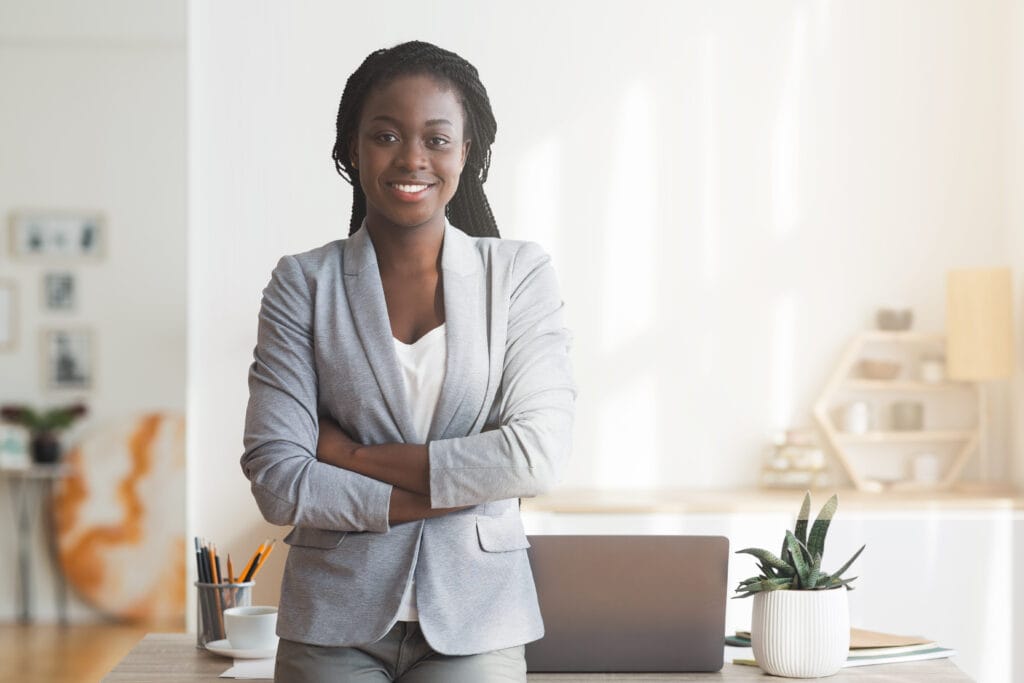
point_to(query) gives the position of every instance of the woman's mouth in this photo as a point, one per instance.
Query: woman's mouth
(410, 192)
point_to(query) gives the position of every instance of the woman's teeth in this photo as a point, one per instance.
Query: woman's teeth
(411, 189)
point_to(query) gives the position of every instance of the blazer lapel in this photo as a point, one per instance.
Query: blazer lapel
(466, 367)
(365, 294)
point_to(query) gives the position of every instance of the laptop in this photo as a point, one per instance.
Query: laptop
(629, 603)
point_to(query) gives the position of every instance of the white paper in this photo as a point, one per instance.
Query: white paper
(252, 669)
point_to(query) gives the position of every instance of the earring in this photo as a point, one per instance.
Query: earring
(355, 165)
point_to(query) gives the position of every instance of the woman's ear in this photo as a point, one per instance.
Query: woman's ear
(353, 154)
(465, 151)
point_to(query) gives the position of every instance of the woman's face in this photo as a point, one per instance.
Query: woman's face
(409, 151)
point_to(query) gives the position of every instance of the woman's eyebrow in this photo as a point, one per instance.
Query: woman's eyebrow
(431, 122)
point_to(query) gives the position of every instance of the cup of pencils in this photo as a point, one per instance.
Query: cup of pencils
(217, 591)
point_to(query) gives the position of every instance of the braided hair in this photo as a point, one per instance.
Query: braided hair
(469, 208)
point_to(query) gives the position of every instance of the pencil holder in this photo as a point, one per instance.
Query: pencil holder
(211, 601)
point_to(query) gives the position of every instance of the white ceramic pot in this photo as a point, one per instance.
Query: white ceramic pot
(801, 634)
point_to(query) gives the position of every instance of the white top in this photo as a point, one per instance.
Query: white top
(422, 364)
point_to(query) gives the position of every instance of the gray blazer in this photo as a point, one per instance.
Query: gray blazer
(501, 431)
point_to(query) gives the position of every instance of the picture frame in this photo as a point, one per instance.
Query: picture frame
(69, 359)
(59, 291)
(57, 235)
(8, 315)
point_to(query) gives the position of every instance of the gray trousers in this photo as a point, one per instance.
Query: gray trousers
(403, 655)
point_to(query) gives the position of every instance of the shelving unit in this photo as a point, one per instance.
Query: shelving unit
(909, 386)
(906, 437)
(844, 382)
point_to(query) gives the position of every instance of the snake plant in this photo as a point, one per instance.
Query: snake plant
(798, 566)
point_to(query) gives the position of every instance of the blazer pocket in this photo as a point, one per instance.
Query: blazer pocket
(308, 537)
(502, 534)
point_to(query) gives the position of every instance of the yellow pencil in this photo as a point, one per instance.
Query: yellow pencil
(263, 558)
(231, 571)
(213, 564)
(249, 564)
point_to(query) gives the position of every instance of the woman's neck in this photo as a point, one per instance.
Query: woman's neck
(407, 251)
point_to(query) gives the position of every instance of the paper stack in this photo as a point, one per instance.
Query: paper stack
(870, 647)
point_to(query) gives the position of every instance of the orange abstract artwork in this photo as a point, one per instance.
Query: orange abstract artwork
(120, 518)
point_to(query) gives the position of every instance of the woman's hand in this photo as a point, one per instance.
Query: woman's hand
(399, 464)
(334, 446)
(407, 506)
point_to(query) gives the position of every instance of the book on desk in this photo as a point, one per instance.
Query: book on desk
(869, 647)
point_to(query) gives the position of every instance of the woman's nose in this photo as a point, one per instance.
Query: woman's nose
(412, 155)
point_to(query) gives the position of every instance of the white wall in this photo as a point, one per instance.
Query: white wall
(772, 172)
(1015, 221)
(729, 191)
(93, 117)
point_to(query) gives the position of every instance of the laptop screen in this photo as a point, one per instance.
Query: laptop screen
(629, 603)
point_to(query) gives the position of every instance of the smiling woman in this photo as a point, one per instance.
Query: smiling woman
(445, 79)
(410, 384)
(409, 151)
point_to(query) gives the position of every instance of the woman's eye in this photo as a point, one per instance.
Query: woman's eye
(387, 137)
(439, 142)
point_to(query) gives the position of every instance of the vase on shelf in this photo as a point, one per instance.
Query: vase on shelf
(43, 426)
(46, 449)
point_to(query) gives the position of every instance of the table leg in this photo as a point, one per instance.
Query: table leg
(60, 584)
(21, 498)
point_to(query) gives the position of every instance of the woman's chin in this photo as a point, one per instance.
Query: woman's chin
(411, 220)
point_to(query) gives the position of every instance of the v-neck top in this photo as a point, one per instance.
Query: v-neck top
(422, 364)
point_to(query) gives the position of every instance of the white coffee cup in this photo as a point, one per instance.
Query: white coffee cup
(251, 628)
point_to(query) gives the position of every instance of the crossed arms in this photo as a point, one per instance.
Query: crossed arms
(365, 488)
(405, 466)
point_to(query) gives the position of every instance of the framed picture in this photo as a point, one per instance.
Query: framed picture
(8, 315)
(59, 291)
(68, 358)
(42, 235)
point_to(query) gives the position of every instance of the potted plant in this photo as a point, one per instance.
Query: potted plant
(801, 620)
(43, 427)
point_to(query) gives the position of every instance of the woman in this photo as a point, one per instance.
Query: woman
(410, 384)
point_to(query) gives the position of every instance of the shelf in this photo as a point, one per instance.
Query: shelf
(908, 386)
(901, 496)
(845, 380)
(906, 437)
(904, 337)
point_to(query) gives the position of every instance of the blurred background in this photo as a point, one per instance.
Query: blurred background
(732, 193)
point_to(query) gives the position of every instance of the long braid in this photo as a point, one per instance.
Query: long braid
(469, 208)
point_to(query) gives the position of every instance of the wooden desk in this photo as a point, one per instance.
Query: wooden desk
(163, 658)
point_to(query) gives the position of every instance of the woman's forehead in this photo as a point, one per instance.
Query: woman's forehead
(415, 98)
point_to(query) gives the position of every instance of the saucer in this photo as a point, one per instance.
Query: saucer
(223, 647)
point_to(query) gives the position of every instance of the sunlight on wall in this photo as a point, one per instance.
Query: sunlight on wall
(822, 25)
(931, 547)
(783, 361)
(701, 456)
(537, 193)
(628, 441)
(995, 666)
(786, 140)
(630, 244)
(710, 153)
(628, 445)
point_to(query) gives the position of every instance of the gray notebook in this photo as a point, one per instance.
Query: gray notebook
(629, 603)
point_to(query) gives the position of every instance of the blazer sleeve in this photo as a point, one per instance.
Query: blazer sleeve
(290, 485)
(523, 457)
